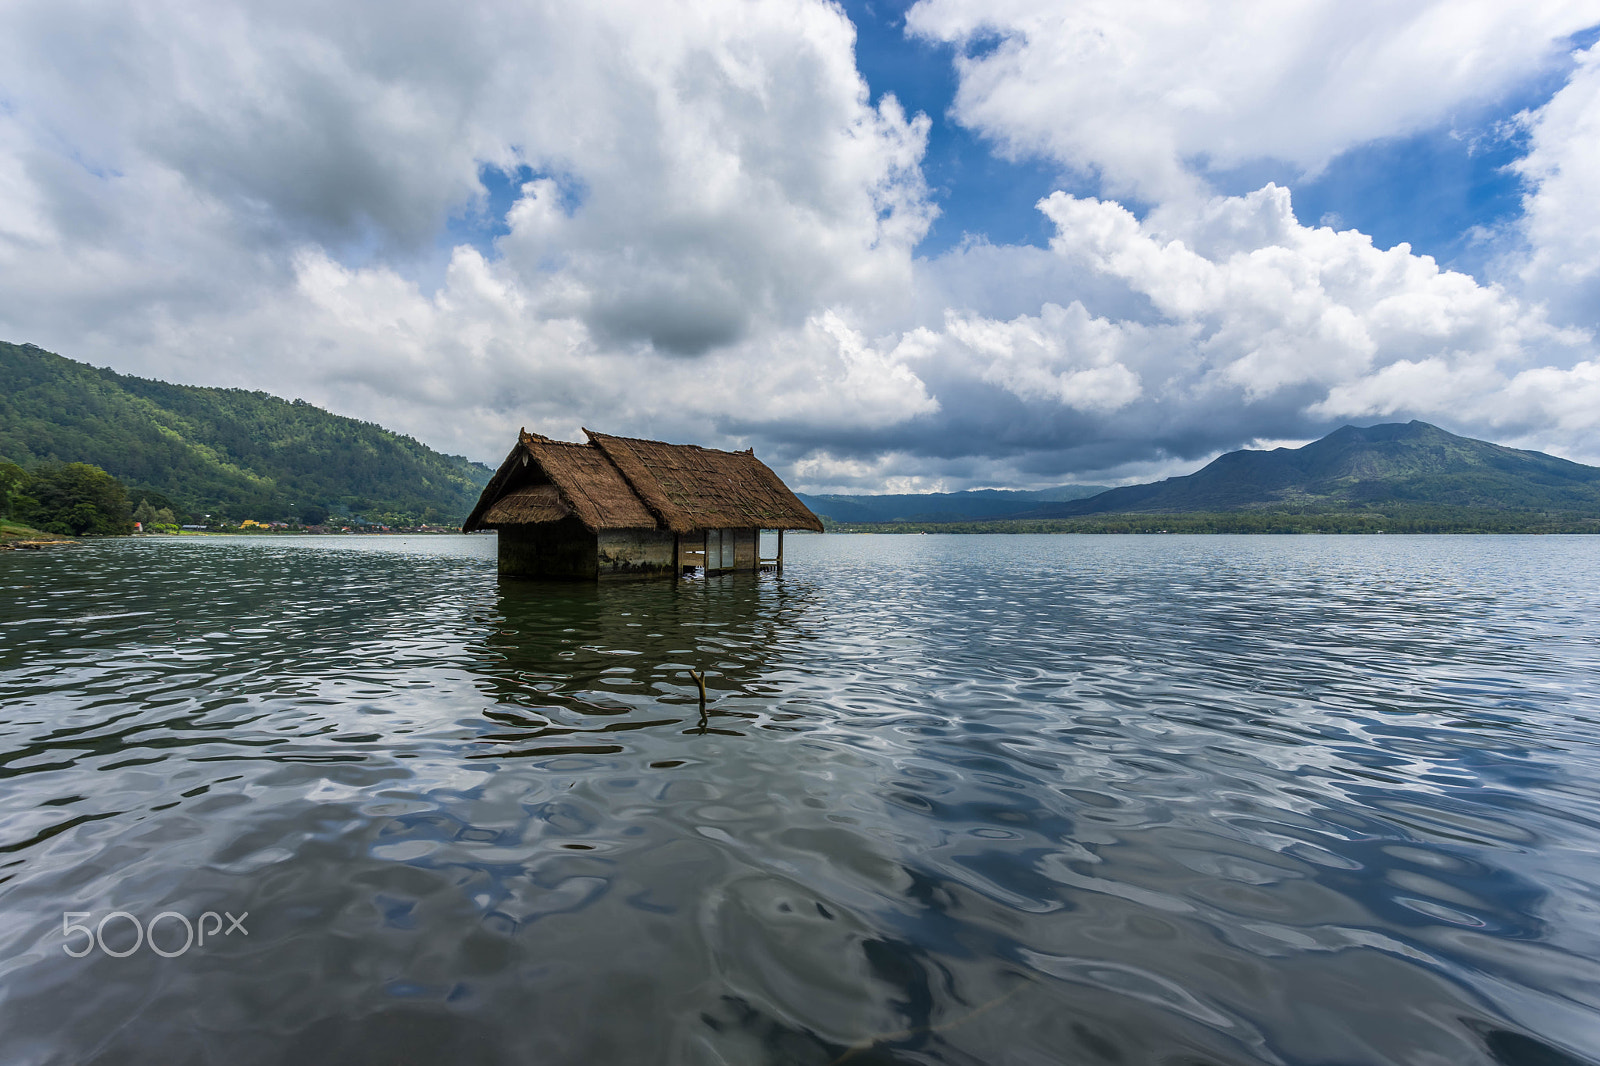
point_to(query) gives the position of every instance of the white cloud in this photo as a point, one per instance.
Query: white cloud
(717, 240)
(1062, 356)
(1561, 223)
(1254, 323)
(825, 376)
(1548, 402)
(249, 197)
(1142, 90)
(727, 169)
(1277, 304)
(470, 364)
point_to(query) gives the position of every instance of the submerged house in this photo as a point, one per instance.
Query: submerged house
(619, 507)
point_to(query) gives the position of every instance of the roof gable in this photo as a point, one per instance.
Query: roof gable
(544, 480)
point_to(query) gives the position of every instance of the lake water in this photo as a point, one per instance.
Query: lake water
(1074, 799)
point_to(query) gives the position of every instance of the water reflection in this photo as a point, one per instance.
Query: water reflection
(955, 800)
(573, 666)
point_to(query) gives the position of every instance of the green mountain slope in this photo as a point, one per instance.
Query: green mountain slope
(940, 506)
(1358, 468)
(222, 451)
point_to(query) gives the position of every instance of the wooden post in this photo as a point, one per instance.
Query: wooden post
(705, 554)
(780, 553)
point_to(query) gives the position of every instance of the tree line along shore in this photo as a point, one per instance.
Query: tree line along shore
(53, 502)
(1417, 519)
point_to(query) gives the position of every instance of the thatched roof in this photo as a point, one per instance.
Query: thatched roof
(688, 487)
(623, 483)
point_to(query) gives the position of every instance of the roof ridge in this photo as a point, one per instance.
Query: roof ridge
(668, 444)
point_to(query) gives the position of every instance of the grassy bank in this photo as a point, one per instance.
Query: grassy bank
(1393, 520)
(15, 536)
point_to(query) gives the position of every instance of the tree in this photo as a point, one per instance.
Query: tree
(76, 498)
(13, 484)
(144, 514)
(158, 501)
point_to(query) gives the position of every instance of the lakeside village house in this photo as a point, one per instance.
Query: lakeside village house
(623, 508)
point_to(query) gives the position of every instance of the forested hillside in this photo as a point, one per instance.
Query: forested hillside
(226, 452)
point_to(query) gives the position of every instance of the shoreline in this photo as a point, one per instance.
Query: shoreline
(16, 537)
(1394, 523)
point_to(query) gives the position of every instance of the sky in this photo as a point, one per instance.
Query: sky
(892, 246)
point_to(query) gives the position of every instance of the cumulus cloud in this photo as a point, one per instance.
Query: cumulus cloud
(1561, 223)
(728, 171)
(713, 227)
(1276, 306)
(476, 360)
(1149, 93)
(1061, 356)
(1254, 325)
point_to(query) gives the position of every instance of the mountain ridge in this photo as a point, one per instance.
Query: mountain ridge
(1355, 468)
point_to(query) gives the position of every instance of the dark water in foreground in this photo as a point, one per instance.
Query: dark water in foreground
(957, 800)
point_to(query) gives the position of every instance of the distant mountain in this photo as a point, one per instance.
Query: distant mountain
(1360, 468)
(222, 451)
(940, 506)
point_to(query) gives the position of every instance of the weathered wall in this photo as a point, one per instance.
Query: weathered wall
(625, 553)
(744, 549)
(689, 554)
(563, 550)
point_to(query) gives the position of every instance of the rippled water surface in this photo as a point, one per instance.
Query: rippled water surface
(1174, 800)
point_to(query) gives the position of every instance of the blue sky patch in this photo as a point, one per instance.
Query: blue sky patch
(979, 194)
(1436, 190)
(483, 222)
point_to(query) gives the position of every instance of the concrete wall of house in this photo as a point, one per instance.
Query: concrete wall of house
(562, 550)
(744, 549)
(635, 553)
